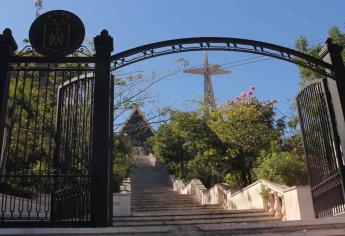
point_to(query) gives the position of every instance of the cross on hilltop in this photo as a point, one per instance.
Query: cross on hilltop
(207, 70)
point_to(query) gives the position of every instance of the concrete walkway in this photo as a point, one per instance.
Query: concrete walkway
(321, 227)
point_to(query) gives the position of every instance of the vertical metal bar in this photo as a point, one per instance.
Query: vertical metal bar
(7, 47)
(336, 144)
(332, 54)
(57, 151)
(101, 171)
(83, 123)
(111, 146)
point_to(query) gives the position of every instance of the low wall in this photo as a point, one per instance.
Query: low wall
(286, 203)
(122, 199)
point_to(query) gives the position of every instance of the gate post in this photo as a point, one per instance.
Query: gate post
(101, 169)
(7, 46)
(331, 53)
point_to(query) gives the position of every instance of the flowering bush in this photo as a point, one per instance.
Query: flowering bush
(245, 126)
(247, 97)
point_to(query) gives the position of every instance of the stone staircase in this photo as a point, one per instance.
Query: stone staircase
(154, 203)
(158, 210)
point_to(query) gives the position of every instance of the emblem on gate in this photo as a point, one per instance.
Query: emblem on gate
(57, 33)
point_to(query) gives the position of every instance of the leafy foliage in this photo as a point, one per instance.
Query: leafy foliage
(302, 45)
(281, 167)
(223, 145)
(122, 161)
(188, 147)
(245, 128)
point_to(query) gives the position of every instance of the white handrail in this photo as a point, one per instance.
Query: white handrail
(251, 197)
(284, 202)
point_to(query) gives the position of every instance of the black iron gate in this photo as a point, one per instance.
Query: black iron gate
(47, 174)
(51, 170)
(72, 155)
(322, 148)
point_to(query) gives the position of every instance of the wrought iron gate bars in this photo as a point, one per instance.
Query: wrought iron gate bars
(322, 149)
(33, 135)
(75, 105)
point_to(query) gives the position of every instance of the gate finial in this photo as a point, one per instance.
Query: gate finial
(329, 40)
(38, 5)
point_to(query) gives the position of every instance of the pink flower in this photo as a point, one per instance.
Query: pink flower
(251, 88)
(230, 101)
(250, 92)
(243, 94)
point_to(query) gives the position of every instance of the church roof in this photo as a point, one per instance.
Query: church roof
(132, 117)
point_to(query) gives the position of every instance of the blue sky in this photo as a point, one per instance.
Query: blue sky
(136, 22)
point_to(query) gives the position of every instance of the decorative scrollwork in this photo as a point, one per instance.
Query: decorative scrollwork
(144, 52)
(30, 51)
(26, 51)
(83, 50)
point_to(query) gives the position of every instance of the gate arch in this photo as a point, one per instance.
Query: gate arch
(173, 46)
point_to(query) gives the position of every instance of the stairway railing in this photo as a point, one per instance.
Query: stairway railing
(285, 203)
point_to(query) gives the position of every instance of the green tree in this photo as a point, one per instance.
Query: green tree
(302, 45)
(281, 167)
(245, 127)
(189, 148)
(122, 161)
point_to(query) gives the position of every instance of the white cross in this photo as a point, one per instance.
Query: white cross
(207, 70)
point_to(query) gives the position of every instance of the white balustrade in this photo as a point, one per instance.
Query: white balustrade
(283, 202)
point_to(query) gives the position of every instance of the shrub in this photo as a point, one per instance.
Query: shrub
(281, 167)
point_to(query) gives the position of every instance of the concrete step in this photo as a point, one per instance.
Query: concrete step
(156, 189)
(194, 221)
(169, 207)
(191, 217)
(175, 207)
(155, 203)
(159, 193)
(192, 212)
(160, 197)
(294, 228)
(139, 188)
(163, 202)
(156, 186)
(167, 192)
(317, 227)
